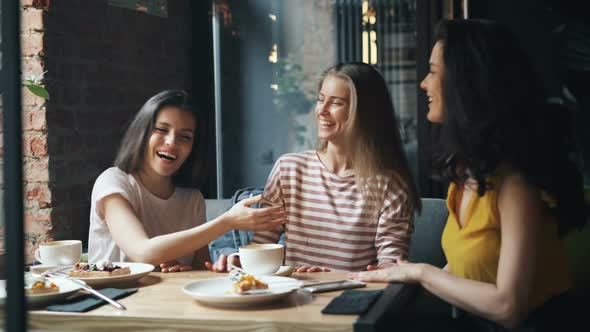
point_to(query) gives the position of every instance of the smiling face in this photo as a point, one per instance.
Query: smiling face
(170, 142)
(332, 108)
(432, 84)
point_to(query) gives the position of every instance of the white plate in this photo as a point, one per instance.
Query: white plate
(138, 271)
(219, 291)
(66, 288)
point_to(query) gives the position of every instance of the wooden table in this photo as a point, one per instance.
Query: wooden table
(161, 305)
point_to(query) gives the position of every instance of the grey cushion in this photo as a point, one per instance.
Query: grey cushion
(425, 246)
(216, 207)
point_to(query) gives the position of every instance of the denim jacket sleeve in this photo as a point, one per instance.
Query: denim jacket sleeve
(224, 244)
(229, 242)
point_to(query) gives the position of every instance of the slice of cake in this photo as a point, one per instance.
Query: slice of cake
(35, 285)
(100, 269)
(248, 282)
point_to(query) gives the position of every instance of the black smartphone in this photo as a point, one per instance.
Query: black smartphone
(333, 286)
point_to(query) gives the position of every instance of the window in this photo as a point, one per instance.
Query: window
(269, 55)
(383, 33)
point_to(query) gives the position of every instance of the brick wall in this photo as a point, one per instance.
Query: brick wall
(102, 64)
(37, 200)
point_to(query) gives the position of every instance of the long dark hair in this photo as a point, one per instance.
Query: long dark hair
(372, 134)
(130, 157)
(496, 116)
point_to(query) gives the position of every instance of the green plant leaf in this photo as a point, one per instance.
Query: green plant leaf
(38, 90)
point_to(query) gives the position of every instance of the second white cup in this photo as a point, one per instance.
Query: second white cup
(260, 258)
(67, 252)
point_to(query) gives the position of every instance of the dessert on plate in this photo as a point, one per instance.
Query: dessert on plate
(102, 268)
(35, 285)
(248, 282)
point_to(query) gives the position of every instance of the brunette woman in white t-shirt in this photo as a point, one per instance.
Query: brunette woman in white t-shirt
(147, 208)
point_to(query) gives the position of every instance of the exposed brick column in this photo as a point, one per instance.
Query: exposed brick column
(37, 194)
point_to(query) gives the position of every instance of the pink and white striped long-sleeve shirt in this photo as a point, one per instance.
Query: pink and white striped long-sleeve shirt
(330, 223)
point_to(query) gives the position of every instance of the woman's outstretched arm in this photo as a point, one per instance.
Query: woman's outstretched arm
(129, 234)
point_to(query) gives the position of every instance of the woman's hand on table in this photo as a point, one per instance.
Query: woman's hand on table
(384, 265)
(174, 266)
(403, 271)
(310, 269)
(221, 265)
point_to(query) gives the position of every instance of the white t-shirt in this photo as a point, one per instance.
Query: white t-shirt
(183, 210)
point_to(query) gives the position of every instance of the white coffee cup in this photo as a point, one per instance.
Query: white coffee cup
(260, 258)
(67, 252)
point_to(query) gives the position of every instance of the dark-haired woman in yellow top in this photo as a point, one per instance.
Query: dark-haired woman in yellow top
(514, 191)
(472, 243)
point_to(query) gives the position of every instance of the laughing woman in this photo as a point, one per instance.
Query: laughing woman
(514, 191)
(351, 202)
(147, 208)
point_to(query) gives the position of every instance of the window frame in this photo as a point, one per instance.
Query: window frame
(15, 308)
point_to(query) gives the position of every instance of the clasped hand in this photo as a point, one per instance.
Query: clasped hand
(174, 266)
(402, 271)
(245, 218)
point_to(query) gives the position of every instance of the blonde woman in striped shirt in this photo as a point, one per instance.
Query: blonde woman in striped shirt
(351, 202)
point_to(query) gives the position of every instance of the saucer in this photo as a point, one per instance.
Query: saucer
(284, 271)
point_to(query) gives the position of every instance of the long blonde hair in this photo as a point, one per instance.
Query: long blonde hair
(371, 134)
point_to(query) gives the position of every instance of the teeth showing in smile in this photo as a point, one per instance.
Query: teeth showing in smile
(167, 156)
(326, 123)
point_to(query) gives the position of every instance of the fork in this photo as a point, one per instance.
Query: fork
(60, 273)
(236, 273)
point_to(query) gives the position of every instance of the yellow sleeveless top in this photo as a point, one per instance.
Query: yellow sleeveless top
(473, 252)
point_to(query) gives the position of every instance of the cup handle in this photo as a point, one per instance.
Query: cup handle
(38, 255)
(229, 259)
